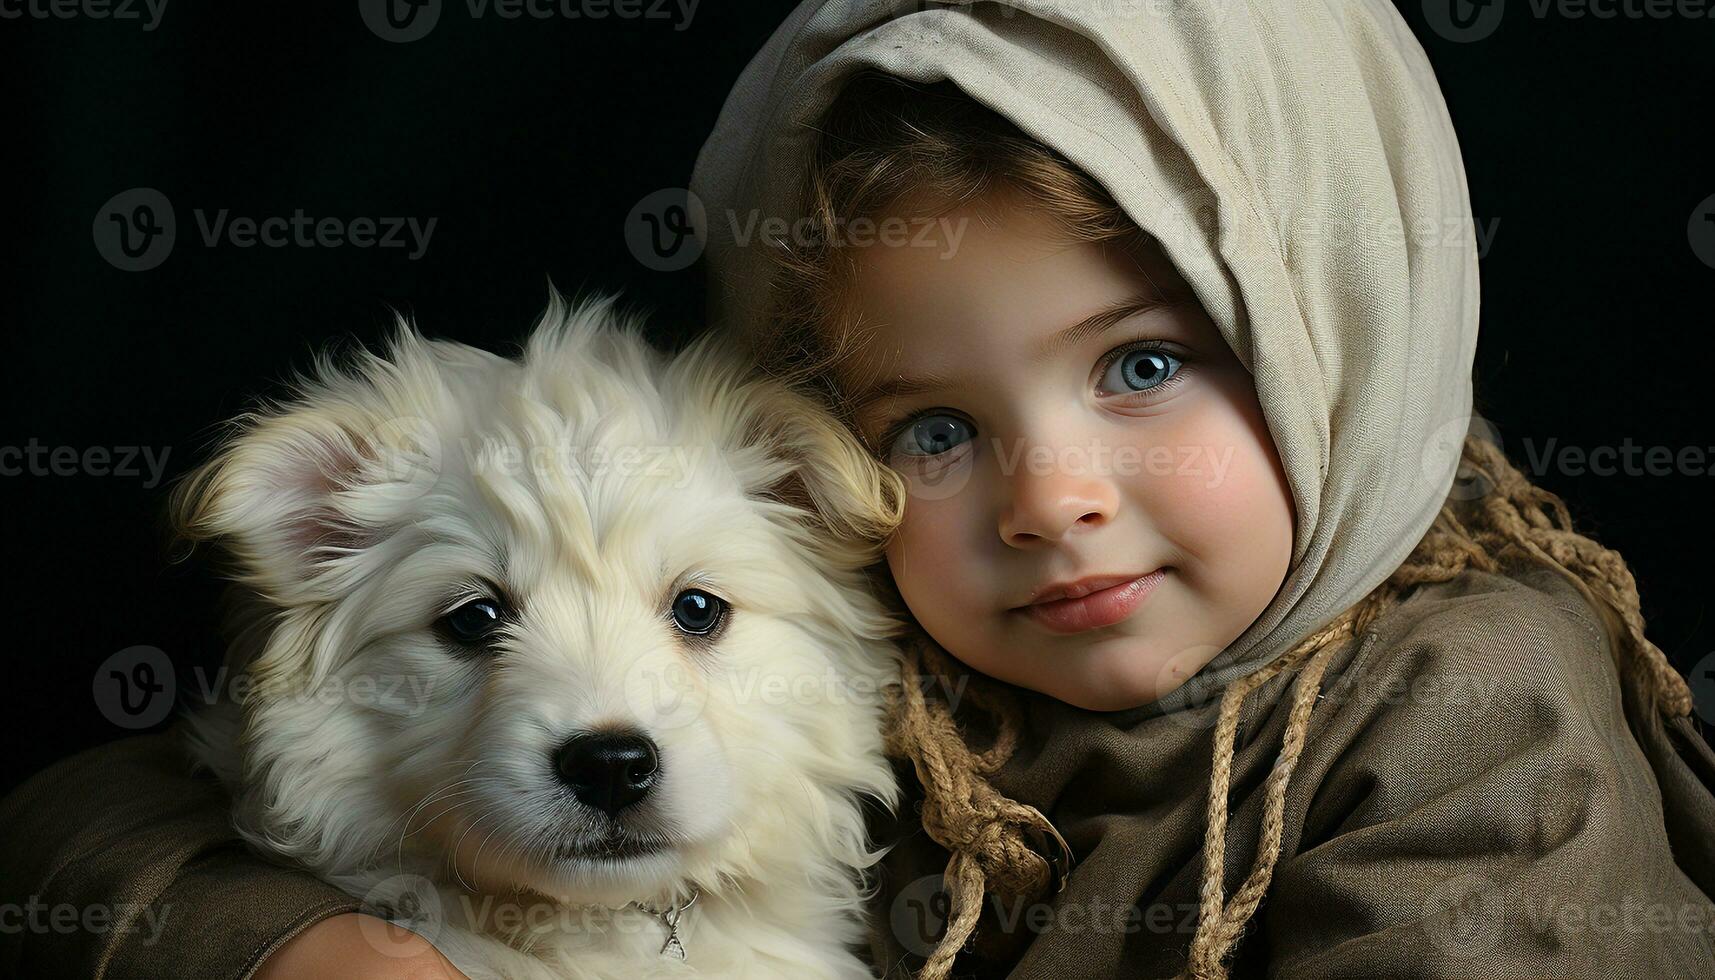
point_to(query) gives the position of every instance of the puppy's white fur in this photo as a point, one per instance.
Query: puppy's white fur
(587, 481)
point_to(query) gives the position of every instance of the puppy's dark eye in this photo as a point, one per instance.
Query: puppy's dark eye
(698, 612)
(474, 622)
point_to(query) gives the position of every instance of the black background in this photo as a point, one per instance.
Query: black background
(529, 141)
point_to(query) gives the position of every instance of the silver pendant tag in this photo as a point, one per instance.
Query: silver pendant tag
(673, 947)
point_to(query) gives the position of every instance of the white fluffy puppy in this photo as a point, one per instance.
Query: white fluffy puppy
(568, 662)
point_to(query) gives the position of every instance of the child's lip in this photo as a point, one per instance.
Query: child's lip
(1078, 587)
(1113, 600)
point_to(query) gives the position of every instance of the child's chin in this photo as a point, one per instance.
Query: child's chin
(1127, 674)
(1110, 700)
(1097, 695)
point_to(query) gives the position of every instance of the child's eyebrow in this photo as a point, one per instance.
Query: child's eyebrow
(1105, 318)
(1090, 326)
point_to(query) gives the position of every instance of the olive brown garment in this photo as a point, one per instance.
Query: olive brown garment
(124, 839)
(1471, 802)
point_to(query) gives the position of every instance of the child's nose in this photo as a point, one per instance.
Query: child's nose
(1045, 506)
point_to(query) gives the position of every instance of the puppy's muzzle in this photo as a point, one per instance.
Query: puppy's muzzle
(608, 771)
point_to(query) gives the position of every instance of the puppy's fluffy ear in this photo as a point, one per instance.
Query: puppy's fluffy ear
(829, 474)
(298, 489)
(788, 447)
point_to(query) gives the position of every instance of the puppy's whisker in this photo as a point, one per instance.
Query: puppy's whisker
(399, 855)
(468, 764)
(452, 855)
(477, 861)
(406, 818)
(441, 796)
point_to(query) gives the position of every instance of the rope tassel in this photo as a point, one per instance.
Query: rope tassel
(987, 833)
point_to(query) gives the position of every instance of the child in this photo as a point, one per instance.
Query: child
(1337, 713)
(1424, 760)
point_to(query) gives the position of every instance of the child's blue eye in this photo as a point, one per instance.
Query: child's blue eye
(1139, 370)
(931, 435)
(1132, 370)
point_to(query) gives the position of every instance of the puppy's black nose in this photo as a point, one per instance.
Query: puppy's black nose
(607, 770)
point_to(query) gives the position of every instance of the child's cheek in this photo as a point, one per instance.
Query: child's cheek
(923, 553)
(1229, 505)
(939, 576)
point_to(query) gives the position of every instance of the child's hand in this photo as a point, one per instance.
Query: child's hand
(346, 947)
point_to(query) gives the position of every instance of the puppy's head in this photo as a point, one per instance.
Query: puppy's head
(590, 622)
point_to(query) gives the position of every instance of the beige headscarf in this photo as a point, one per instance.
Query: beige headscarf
(1294, 159)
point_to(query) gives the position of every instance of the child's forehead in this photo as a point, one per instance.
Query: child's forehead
(919, 239)
(1019, 274)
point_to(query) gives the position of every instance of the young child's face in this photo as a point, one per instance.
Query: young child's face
(1036, 458)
